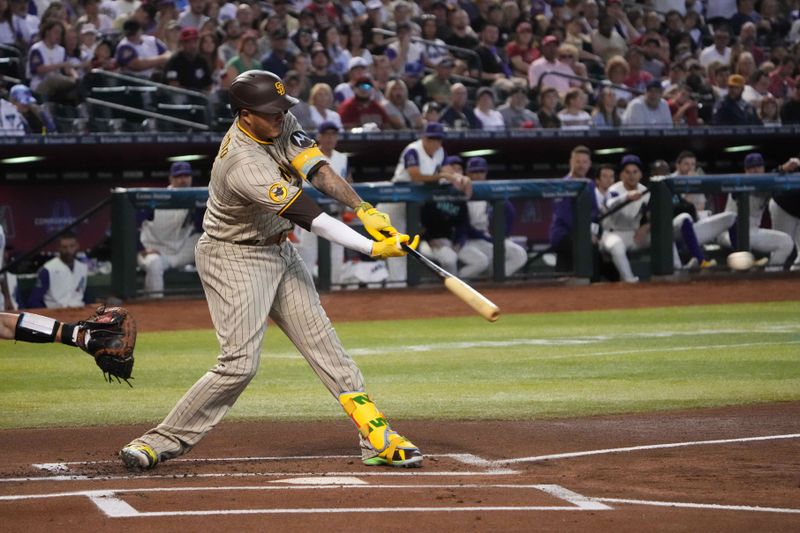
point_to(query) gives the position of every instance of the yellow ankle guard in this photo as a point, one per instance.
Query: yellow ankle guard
(366, 417)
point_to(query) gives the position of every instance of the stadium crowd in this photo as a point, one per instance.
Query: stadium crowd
(395, 64)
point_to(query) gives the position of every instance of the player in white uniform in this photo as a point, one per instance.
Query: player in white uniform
(62, 280)
(767, 241)
(704, 227)
(478, 251)
(628, 227)
(420, 162)
(250, 273)
(169, 237)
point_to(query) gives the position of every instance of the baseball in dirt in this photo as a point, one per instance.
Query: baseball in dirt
(740, 261)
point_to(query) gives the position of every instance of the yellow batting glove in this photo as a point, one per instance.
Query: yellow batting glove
(390, 246)
(376, 222)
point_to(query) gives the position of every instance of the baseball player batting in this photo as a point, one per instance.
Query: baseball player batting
(250, 272)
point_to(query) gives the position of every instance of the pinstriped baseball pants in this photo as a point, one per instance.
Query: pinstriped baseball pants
(244, 285)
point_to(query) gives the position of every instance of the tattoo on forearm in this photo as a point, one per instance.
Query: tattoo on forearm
(330, 183)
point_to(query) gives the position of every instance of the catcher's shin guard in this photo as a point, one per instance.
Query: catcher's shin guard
(380, 444)
(138, 457)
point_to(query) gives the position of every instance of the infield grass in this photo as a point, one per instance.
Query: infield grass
(522, 367)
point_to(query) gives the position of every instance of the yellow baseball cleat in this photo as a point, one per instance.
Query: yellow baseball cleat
(138, 457)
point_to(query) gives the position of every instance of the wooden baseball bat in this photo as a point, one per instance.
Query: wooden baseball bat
(480, 303)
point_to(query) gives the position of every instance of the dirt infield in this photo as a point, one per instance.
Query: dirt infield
(733, 469)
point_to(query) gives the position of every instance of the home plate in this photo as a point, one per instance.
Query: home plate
(322, 480)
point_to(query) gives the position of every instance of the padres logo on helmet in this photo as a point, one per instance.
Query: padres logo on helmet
(259, 91)
(280, 88)
(278, 192)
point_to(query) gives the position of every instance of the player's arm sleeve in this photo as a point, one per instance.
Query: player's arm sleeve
(336, 231)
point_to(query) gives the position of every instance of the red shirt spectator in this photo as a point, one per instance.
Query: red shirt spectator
(781, 80)
(361, 109)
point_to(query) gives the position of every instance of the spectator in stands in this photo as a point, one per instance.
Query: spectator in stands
(300, 66)
(719, 51)
(338, 55)
(756, 89)
(413, 80)
(403, 113)
(782, 79)
(193, 15)
(138, 54)
(776, 244)
(494, 63)
(209, 51)
(49, 69)
(683, 107)
(549, 63)
(92, 15)
(166, 23)
(606, 40)
(8, 36)
(187, 68)
(434, 48)
(487, 115)
(719, 79)
(61, 281)
(230, 45)
(732, 110)
(320, 72)
(463, 36)
(321, 100)
(72, 47)
(301, 110)
(355, 43)
(88, 42)
(745, 13)
(362, 109)
(356, 68)
(515, 111)
(9, 288)
(437, 85)
(103, 57)
(769, 112)
(548, 108)
(652, 62)
(637, 78)
(606, 112)
(35, 118)
(745, 65)
(11, 121)
(790, 111)
(381, 71)
(26, 25)
(245, 59)
(168, 236)
(431, 112)
(574, 116)
(404, 52)
(568, 55)
(677, 75)
(277, 61)
(649, 109)
(477, 252)
(246, 17)
(617, 72)
(520, 51)
(560, 233)
(459, 115)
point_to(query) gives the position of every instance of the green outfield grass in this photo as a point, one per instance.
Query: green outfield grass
(522, 367)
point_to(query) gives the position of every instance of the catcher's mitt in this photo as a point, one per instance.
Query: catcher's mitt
(109, 336)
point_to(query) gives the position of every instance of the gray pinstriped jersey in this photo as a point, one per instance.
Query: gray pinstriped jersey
(251, 183)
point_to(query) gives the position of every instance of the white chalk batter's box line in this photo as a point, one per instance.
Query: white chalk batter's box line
(497, 467)
(109, 502)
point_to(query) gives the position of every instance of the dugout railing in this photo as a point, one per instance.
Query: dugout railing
(126, 201)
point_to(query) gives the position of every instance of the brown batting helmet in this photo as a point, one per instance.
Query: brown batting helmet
(259, 91)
